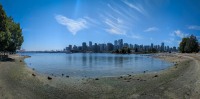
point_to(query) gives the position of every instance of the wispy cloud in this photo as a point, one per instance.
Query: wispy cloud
(151, 29)
(137, 7)
(169, 41)
(179, 33)
(115, 10)
(194, 27)
(134, 36)
(72, 25)
(115, 26)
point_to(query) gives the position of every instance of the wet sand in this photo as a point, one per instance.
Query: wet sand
(182, 80)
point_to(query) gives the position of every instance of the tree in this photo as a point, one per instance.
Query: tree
(4, 33)
(182, 45)
(11, 37)
(189, 45)
(16, 39)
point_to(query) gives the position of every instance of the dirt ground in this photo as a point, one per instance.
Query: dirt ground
(181, 81)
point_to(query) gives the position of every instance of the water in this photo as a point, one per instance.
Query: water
(93, 65)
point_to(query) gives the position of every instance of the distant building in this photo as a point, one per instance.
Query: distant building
(126, 45)
(110, 47)
(90, 45)
(120, 43)
(84, 46)
(162, 47)
(115, 45)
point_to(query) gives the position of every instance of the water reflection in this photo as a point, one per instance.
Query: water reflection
(89, 64)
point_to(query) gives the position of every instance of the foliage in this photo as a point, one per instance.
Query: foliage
(11, 37)
(189, 45)
(124, 50)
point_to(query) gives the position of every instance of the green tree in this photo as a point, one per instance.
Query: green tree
(4, 33)
(189, 45)
(16, 39)
(10, 33)
(182, 45)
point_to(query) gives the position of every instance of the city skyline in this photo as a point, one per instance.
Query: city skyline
(117, 45)
(52, 25)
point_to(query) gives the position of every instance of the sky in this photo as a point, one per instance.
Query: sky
(54, 24)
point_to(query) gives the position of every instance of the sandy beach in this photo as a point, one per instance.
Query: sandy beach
(181, 81)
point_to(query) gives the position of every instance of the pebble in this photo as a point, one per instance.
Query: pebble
(96, 78)
(49, 78)
(33, 75)
(156, 76)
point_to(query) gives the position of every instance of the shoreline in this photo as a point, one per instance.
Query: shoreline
(159, 84)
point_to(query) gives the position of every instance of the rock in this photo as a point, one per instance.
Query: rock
(62, 74)
(20, 61)
(33, 68)
(67, 76)
(96, 78)
(144, 71)
(129, 75)
(49, 78)
(33, 75)
(156, 76)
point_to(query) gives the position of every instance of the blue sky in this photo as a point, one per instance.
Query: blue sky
(54, 24)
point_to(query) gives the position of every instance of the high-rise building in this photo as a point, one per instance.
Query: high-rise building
(84, 46)
(115, 45)
(120, 43)
(70, 48)
(125, 45)
(151, 45)
(162, 49)
(75, 48)
(109, 47)
(90, 45)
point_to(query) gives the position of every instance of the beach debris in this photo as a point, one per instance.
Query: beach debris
(128, 81)
(20, 61)
(33, 74)
(96, 78)
(156, 76)
(49, 78)
(67, 76)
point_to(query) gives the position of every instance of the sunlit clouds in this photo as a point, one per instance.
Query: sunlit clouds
(72, 25)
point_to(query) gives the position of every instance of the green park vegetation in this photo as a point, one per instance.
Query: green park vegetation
(11, 37)
(189, 45)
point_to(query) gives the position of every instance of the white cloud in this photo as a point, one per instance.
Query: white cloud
(194, 27)
(151, 29)
(72, 25)
(115, 10)
(136, 37)
(137, 7)
(115, 26)
(170, 40)
(180, 34)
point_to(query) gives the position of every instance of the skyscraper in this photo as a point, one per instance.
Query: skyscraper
(120, 43)
(162, 47)
(90, 45)
(84, 46)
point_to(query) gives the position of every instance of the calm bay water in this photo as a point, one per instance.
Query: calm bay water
(92, 64)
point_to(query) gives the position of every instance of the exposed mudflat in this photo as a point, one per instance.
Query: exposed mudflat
(179, 81)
